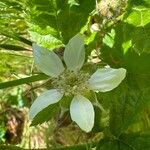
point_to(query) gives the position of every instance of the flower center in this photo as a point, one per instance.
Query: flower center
(72, 83)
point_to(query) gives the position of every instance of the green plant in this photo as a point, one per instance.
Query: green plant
(116, 36)
(72, 82)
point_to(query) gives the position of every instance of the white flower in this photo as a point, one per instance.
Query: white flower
(73, 81)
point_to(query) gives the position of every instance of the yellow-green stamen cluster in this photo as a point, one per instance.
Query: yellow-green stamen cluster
(72, 83)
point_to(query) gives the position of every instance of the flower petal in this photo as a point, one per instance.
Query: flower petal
(74, 54)
(47, 98)
(106, 79)
(82, 112)
(48, 62)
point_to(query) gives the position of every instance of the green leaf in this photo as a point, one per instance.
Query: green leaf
(105, 144)
(136, 52)
(141, 39)
(126, 45)
(48, 62)
(45, 115)
(126, 142)
(58, 14)
(73, 2)
(74, 54)
(16, 37)
(109, 38)
(145, 3)
(47, 98)
(106, 79)
(139, 16)
(126, 104)
(101, 120)
(82, 112)
(129, 101)
(97, 120)
(137, 141)
(27, 80)
(45, 40)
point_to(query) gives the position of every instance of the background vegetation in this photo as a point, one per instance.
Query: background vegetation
(116, 32)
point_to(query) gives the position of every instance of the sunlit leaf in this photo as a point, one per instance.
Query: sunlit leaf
(46, 40)
(139, 16)
(126, 46)
(60, 16)
(109, 39)
(73, 2)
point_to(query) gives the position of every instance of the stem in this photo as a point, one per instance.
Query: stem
(99, 104)
(56, 18)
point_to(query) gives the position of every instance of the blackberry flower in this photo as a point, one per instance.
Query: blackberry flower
(71, 80)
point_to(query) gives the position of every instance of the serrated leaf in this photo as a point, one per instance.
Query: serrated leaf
(44, 100)
(139, 16)
(48, 62)
(82, 112)
(106, 79)
(74, 54)
(127, 102)
(45, 40)
(137, 52)
(60, 16)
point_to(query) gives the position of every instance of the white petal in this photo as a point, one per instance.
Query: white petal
(82, 112)
(48, 62)
(74, 54)
(106, 79)
(47, 98)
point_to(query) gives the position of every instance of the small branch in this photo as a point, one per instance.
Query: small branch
(99, 104)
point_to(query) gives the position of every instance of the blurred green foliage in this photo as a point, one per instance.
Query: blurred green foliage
(120, 41)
